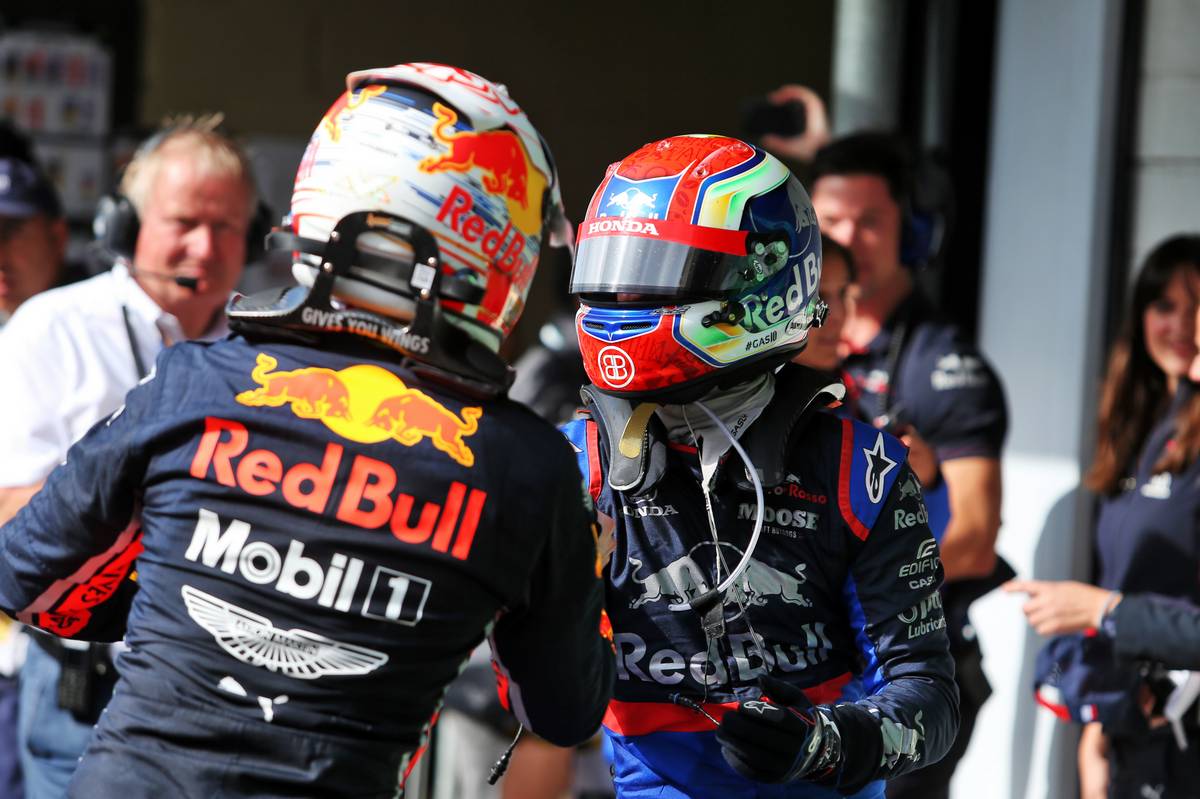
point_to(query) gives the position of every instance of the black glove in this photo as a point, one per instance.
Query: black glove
(781, 738)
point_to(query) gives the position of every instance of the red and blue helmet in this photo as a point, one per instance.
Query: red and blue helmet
(697, 266)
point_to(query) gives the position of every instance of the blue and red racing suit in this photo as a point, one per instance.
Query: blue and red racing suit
(841, 592)
(321, 539)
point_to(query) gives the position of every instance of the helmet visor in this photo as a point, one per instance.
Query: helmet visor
(628, 264)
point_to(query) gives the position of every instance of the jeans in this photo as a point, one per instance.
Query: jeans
(50, 739)
(10, 764)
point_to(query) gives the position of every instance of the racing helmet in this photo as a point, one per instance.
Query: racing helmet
(697, 266)
(425, 191)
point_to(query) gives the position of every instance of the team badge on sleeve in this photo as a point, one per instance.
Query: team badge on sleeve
(869, 461)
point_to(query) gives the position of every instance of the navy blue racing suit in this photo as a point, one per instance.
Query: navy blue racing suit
(841, 595)
(321, 539)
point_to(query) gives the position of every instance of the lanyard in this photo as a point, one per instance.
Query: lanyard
(138, 363)
(887, 409)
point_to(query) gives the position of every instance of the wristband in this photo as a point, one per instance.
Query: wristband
(1109, 603)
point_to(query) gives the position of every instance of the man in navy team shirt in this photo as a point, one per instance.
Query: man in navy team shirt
(917, 375)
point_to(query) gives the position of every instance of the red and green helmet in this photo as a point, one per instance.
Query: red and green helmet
(697, 265)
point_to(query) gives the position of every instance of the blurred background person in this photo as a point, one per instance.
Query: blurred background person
(177, 234)
(33, 234)
(822, 348)
(33, 239)
(825, 349)
(911, 372)
(1147, 534)
(1139, 626)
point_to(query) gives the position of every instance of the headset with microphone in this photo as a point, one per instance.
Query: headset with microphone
(115, 226)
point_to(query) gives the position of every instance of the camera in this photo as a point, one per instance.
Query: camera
(760, 116)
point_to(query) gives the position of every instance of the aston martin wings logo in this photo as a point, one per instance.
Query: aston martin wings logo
(878, 466)
(294, 653)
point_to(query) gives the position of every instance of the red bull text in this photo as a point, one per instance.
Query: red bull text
(369, 499)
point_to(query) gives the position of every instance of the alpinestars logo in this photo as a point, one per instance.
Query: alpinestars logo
(901, 742)
(878, 467)
(253, 639)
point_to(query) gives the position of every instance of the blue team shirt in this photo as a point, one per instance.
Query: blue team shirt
(1148, 533)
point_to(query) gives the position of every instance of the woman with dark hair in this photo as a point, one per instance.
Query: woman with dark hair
(1147, 473)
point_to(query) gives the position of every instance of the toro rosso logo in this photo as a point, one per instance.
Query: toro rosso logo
(644, 199)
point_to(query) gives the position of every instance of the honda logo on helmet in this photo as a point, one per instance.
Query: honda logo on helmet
(617, 225)
(616, 366)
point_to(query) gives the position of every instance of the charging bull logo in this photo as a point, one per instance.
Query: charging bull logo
(314, 392)
(760, 582)
(910, 488)
(412, 416)
(683, 579)
(501, 157)
(498, 153)
(364, 403)
(633, 202)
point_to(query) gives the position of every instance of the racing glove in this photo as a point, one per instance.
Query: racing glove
(781, 738)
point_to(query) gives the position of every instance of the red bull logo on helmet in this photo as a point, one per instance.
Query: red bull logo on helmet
(761, 313)
(364, 403)
(501, 158)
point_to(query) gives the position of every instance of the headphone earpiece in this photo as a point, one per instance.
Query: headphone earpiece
(925, 212)
(115, 225)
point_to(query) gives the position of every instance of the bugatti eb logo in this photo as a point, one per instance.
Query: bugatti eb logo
(616, 366)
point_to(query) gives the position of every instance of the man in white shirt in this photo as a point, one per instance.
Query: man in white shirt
(178, 236)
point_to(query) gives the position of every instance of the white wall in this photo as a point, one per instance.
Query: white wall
(1167, 151)
(1047, 225)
